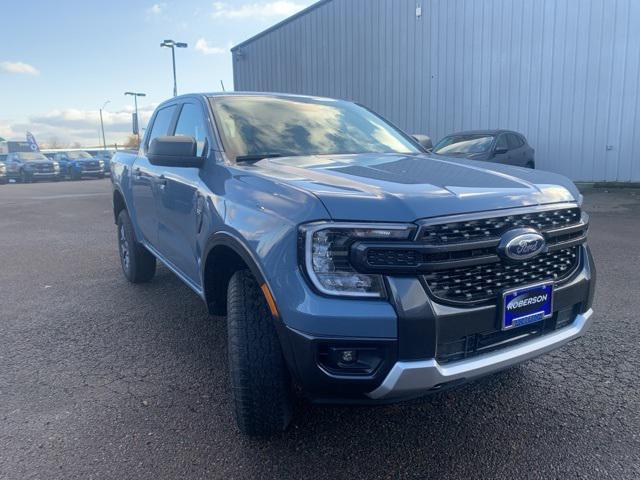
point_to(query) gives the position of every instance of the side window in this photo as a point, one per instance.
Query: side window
(191, 124)
(514, 141)
(502, 144)
(161, 123)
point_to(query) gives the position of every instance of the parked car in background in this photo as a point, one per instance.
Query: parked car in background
(31, 166)
(105, 156)
(78, 164)
(3, 173)
(498, 146)
(349, 263)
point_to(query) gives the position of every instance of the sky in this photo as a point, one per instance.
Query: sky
(60, 61)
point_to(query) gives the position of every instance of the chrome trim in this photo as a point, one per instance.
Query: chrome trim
(411, 378)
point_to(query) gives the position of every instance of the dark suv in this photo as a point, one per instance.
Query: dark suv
(348, 261)
(499, 146)
(31, 166)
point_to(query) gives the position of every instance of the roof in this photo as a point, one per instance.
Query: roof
(281, 24)
(494, 131)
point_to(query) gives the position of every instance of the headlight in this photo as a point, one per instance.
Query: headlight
(101, 163)
(326, 249)
(56, 166)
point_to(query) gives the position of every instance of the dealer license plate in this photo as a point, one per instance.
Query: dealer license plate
(526, 305)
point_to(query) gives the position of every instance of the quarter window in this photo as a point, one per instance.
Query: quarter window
(514, 141)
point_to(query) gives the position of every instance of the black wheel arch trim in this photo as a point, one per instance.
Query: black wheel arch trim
(232, 241)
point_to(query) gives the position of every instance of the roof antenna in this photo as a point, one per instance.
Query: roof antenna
(223, 89)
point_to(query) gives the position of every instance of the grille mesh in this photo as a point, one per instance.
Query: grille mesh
(484, 282)
(487, 228)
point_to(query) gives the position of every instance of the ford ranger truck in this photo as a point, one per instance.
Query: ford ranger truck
(350, 264)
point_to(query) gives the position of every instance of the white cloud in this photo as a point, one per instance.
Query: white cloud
(203, 46)
(157, 8)
(71, 126)
(261, 10)
(19, 67)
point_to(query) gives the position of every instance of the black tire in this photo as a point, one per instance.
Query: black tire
(24, 177)
(138, 264)
(260, 380)
(531, 165)
(75, 176)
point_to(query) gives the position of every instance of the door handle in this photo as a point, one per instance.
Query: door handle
(162, 181)
(137, 174)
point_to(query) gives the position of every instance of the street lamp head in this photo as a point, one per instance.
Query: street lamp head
(136, 94)
(181, 45)
(167, 43)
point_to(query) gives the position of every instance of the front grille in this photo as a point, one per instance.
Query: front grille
(482, 282)
(488, 228)
(458, 256)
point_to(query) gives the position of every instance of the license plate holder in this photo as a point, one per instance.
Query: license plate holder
(526, 305)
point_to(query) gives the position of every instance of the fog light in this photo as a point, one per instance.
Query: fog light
(348, 356)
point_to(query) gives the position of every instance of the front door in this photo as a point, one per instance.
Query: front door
(180, 204)
(144, 180)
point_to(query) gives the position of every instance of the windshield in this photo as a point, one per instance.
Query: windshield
(77, 155)
(254, 126)
(464, 144)
(31, 156)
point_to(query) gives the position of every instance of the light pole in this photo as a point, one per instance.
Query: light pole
(135, 102)
(104, 141)
(173, 45)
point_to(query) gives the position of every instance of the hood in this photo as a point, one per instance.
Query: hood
(404, 188)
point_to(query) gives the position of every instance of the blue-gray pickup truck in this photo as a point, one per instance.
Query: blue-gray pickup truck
(352, 266)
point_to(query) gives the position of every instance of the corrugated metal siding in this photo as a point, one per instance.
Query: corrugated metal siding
(566, 73)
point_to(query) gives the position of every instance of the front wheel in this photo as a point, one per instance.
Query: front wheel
(138, 264)
(260, 380)
(24, 177)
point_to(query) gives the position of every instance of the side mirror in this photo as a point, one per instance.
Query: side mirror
(174, 151)
(500, 151)
(424, 140)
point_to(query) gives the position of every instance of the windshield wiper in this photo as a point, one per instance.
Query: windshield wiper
(256, 157)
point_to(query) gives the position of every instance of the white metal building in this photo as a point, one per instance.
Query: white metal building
(566, 73)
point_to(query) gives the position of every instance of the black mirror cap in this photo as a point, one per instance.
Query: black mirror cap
(174, 151)
(424, 141)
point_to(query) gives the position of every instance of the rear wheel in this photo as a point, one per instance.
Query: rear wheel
(138, 264)
(530, 164)
(260, 381)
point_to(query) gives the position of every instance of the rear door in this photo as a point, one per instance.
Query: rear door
(144, 178)
(180, 204)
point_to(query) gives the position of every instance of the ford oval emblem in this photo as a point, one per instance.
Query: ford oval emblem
(521, 244)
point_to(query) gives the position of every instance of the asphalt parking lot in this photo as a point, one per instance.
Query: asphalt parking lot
(101, 379)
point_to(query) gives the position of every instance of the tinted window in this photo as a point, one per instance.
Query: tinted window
(257, 125)
(502, 144)
(191, 124)
(514, 141)
(161, 123)
(464, 144)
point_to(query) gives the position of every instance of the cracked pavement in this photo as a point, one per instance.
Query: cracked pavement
(102, 379)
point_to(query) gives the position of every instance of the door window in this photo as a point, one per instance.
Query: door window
(161, 123)
(191, 124)
(501, 143)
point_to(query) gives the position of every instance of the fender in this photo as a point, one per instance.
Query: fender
(232, 241)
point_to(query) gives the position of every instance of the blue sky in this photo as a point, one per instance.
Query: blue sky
(60, 61)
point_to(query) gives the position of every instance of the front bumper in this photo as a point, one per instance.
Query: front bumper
(418, 358)
(406, 379)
